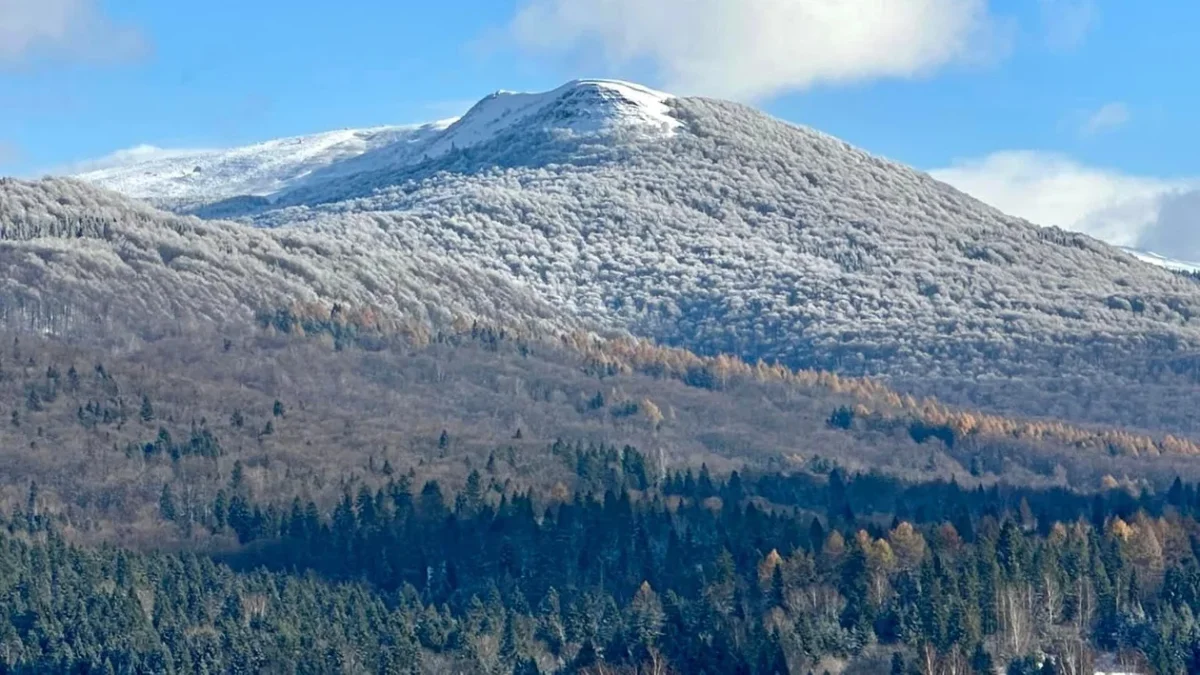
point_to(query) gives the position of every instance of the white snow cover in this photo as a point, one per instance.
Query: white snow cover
(191, 177)
(581, 106)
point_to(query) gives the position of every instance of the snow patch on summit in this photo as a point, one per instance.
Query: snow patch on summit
(581, 107)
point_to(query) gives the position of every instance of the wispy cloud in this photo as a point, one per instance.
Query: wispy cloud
(449, 108)
(1151, 213)
(1066, 23)
(77, 30)
(129, 156)
(1109, 117)
(749, 49)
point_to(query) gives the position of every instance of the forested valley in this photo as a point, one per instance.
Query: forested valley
(482, 501)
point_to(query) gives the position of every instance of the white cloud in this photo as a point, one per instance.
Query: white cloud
(748, 49)
(1176, 233)
(1155, 214)
(122, 158)
(1110, 116)
(1068, 22)
(74, 29)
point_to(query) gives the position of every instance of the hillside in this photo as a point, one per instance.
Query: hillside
(82, 262)
(324, 446)
(189, 177)
(312, 411)
(712, 226)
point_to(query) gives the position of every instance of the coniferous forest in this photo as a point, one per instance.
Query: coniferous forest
(690, 573)
(183, 517)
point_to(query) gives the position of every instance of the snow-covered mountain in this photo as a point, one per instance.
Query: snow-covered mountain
(187, 179)
(711, 225)
(582, 107)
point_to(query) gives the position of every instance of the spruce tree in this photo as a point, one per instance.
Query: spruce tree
(166, 503)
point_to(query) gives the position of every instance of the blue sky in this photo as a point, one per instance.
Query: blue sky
(1087, 105)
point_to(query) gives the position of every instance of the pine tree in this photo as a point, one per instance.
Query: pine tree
(31, 500)
(470, 501)
(550, 626)
(510, 648)
(33, 402)
(237, 479)
(981, 660)
(646, 616)
(433, 504)
(166, 503)
(220, 509)
(241, 518)
(147, 410)
(778, 588)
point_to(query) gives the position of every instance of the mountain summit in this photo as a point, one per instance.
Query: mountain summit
(186, 179)
(711, 225)
(581, 107)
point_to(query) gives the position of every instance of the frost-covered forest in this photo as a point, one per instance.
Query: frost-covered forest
(75, 256)
(750, 236)
(732, 233)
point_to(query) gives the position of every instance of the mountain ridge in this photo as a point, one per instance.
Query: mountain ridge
(738, 233)
(175, 178)
(185, 179)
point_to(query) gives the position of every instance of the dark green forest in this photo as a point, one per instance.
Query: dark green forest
(684, 573)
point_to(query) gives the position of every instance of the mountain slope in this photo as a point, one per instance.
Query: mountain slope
(186, 179)
(85, 262)
(729, 231)
(190, 177)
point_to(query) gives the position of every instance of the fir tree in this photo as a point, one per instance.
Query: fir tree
(166, 503)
